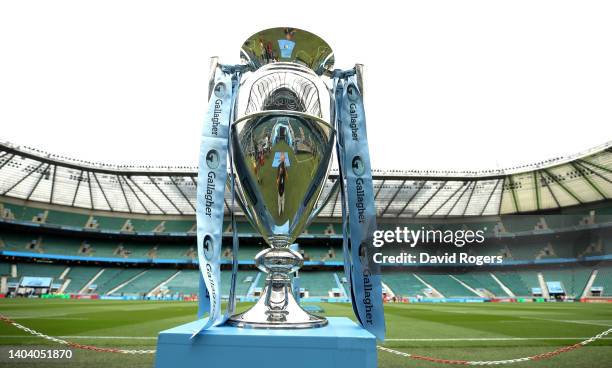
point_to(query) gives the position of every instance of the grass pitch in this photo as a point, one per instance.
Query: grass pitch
(484, 331)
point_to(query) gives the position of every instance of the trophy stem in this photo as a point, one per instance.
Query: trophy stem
(277, 308)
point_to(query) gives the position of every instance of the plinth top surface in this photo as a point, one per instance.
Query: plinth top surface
(338, 329)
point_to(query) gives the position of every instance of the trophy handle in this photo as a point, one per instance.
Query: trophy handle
(212, 69)
(359, 74)
(332, 192)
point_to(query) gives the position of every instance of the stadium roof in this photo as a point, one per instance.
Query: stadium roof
(33, 175)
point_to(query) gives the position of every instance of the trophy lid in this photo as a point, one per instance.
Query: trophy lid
(286, 44)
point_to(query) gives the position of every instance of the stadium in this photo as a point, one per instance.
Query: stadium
(106, 254)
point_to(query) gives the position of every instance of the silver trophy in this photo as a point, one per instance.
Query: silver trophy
(282, 140)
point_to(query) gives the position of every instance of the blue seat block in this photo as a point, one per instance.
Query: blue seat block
(342, 343)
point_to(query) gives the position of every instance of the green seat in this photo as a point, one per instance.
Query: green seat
(403, 284)
(66, 218)
(5, 268)
(446, 285)
(145, 282)
(110, 223)
(178, 226)
(519, 282)
(113, 277)
(604, 279)
(40, 270)
(573, 279)
(318, 283)
(79, 277)
(186, 282)
(482, 280)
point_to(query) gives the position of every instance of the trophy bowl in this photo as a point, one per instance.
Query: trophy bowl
(282, 140)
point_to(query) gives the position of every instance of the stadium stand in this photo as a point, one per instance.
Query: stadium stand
(66, 218)
(40, 270)
(5, 268)
(79, 277)
(113, 277)
(242, 283)
(604, 280)
(139, 242)
(572, 279)
(318, 283)
(186, 282)
(519, 282)
(484, 281)
(446, 285)
(144, 282)
(403, 283)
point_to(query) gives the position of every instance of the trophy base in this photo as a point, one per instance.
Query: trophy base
(277, 307)
(342, 343)
(241, 321)
(291, 316)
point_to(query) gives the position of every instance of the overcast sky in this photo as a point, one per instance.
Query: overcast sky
(449, 84)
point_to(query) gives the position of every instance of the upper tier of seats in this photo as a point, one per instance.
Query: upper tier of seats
(129, 224)
(569, 245)
(70, 246)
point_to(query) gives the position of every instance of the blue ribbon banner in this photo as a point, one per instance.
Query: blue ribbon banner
(358, 205)
(212, 177)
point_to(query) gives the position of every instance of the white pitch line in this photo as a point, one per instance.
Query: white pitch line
(496, 339)
(87, 337)
(58, 317)
(416, 339)
(579, 322)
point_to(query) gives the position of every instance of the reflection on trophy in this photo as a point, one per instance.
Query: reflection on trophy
(282, 140)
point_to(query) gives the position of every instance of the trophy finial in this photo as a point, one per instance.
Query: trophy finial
(287, 44)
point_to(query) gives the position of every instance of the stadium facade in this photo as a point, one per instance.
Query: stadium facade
(70, 227)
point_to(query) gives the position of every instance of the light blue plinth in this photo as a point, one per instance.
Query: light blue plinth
(342, 343)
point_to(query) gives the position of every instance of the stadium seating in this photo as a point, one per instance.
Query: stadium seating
(318, 283)
(79, 276)
(447, 286)
(172, 251)
(178, 226)
(529, 238)
(138, 224)
(318, 253)
(17, 241)
(186, 282)
(145, 282)
(66, 218)
(403, 284)
(40, 270)
(261, 281)
(241, 286)
(113, 277)
(101, 248)
(520, 283)
(139, 250)
(110, 223)
(246, 253)
(604, 279)
(482, 280)
(5, 269)
(573, 279)
(60, 245)
(514, 224)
